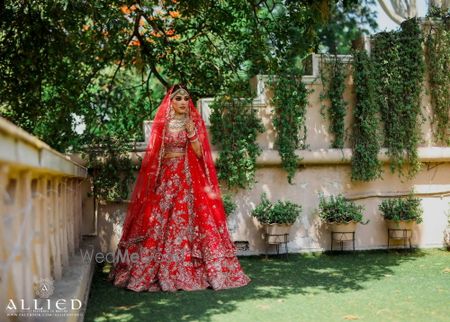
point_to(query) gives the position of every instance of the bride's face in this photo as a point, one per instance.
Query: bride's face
(180, 103)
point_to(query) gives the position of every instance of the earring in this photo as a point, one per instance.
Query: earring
(172, 112)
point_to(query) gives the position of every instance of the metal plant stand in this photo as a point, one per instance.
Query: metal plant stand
(340, 239)
(279, 239)
(400, 234)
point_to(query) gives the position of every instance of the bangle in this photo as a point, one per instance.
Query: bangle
(193, 137)
(193, 140)
(190, 135)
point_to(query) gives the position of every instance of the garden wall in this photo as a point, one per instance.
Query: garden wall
(322, 170)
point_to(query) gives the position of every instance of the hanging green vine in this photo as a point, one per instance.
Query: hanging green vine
(332, 73)
(365, 138)
(437, 56)
(399, 67)
(412, 72)
(289, 100)
(234, 128)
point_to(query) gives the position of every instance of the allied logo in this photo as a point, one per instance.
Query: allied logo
(44, 288)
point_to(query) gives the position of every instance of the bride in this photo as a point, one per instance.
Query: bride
(175, 234)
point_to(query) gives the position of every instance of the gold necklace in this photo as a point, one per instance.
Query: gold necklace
(177, 123)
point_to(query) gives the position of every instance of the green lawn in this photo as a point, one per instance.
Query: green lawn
(363, 286)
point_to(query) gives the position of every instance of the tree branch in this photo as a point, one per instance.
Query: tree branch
(147, 51)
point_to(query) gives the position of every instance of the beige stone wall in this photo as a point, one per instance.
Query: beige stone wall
(328, 171)
(432, 186)
(41, 201)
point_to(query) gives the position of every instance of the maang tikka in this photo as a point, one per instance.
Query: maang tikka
(180, 91)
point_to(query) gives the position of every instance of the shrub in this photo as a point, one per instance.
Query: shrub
(402, 209)
(337, 209)
(281, 212)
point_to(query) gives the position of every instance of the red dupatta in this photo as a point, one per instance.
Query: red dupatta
(204, 180)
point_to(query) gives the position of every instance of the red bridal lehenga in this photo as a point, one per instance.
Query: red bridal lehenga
(175, 234)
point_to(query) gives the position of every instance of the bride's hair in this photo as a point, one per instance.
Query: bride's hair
(176, 87)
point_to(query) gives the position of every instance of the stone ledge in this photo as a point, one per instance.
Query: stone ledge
(24, 151)
(332, 156)
(75, 284)
(344, 156)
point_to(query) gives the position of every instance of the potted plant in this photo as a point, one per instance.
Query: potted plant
(276, 218)
(447, 232)
(340, 215)
(401, 213)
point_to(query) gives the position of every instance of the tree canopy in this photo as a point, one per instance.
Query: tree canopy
(104, 65)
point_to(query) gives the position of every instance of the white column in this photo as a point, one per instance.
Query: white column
(70, 214)
(4, 276)
(63, 223)
(36, 242)
(77, 212)
(24, 212)
(54, 228)
(45, 214)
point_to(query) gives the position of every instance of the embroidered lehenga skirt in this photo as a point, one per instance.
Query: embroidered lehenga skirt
(175, 254)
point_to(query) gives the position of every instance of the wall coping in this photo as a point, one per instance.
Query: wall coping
(332, 156)
(19, 149)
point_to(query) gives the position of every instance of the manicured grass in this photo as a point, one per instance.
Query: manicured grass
(363, 286)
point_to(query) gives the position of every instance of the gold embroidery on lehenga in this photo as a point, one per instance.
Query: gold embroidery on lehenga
(174, 252)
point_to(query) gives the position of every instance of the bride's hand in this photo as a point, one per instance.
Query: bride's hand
(193, 138)
(190, 127)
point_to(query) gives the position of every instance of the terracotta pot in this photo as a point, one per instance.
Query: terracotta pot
(347, 230)
(402, 224)
(276, 229)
